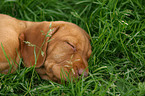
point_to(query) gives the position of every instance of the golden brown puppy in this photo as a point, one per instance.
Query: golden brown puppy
(67, 51)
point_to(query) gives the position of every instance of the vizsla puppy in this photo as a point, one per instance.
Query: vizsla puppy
(67, 51)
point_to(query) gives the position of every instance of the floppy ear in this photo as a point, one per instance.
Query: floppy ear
(35, 39)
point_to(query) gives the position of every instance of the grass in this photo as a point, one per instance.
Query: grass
(117, 31)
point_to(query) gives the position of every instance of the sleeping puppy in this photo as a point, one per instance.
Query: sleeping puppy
(54, 48)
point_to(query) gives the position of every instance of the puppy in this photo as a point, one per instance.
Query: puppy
(54, 48)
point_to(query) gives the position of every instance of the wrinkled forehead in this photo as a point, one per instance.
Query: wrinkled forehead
(72, 32)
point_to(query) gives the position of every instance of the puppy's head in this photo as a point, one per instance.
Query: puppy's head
(64, 56)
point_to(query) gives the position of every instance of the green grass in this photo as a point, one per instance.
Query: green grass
(117, 31)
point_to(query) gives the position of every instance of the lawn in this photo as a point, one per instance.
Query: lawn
(117, 32)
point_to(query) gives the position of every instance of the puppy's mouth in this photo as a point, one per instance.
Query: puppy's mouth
(66, 72)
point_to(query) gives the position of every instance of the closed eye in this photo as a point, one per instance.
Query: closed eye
(72, 46)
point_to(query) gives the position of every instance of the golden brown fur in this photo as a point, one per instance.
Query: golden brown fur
(68, 50)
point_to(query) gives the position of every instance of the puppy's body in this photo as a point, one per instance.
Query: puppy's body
(69, 46)
(10, 29)
(9, 32)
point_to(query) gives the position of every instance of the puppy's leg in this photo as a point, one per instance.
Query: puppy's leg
(42, 73)
(5, 67)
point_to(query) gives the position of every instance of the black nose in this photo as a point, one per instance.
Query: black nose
(82, 72)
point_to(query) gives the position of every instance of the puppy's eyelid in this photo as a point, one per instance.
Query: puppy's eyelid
(73, 47)
(69, 44)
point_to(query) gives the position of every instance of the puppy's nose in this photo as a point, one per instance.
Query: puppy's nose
(82, 72)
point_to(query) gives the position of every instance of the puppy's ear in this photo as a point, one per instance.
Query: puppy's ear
(35, 40)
